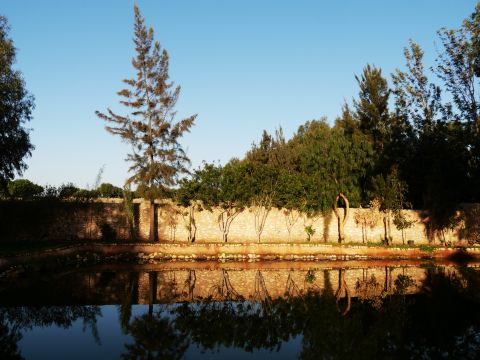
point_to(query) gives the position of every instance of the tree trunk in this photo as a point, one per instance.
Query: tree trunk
(385, 235)
(341, 222)
(386, 225)
(153, 229)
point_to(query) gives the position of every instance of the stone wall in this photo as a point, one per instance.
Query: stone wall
(283, 226)
(55, 220)
(65, 220)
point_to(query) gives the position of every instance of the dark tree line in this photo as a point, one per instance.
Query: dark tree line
(411, 141)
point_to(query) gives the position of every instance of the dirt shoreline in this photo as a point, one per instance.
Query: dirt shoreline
(250, 252)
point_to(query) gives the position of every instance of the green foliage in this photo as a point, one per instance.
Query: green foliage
(16, 106)
(310, 231)
(85, 194)
(66, 191)
(107, 190)
(330, 163)
(390, 191)
(24, 189)
(372, 106)
(427, 248)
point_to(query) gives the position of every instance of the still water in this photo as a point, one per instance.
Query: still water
(269, 310)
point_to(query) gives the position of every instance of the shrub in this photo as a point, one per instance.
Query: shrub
(67, 191)
(107, 190)
(24, 189)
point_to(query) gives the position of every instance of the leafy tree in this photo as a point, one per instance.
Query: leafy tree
(67, 190)
(16, 106)
(228, 188)
(368, 218)
(437, 168)
(24, 189)
(334, 166)
(263, 180)
(416, 98)
(157, 159)
(187, 196)
(458, 68)
(107, 190)
(391, 193)
(234, 194)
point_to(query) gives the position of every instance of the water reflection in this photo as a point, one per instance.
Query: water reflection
(385, 311)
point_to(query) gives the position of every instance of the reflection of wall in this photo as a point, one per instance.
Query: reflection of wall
(172, 285)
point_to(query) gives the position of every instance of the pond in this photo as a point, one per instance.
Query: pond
(243, 310)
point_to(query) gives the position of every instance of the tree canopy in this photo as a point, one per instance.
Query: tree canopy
(16, 106)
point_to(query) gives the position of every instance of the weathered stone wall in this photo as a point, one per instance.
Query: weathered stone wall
(83, 220)
(55, 220)
(283, 226)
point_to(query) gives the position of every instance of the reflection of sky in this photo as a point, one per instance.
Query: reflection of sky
(75, 342)
(288, 350)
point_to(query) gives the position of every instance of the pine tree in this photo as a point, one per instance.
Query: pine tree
(16, 106)
(372, 106)
(157, 159)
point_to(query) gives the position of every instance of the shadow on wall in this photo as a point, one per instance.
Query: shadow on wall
(56, 220)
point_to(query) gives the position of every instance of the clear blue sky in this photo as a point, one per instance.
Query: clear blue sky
(244, 66)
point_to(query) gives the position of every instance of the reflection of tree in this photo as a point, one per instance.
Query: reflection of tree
(309, 281)
(128, 298)
(342, 291)
(15, 320)
(370, 290)
(403, 283)
(156, 337)
(291, 289)
(245, 325)
(443, 318)
(260, 292)
(189, 285)
(224, 290)
(152, 290)
(9, 338)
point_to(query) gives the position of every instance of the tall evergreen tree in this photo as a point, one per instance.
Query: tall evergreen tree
(16, 106)
(372, 106)
(157, 158)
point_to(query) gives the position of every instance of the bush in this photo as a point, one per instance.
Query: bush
(24, 189)
(107, 190)
(84, 194)
(67, 191)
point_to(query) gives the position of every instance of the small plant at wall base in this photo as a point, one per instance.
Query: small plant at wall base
(310, 231)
